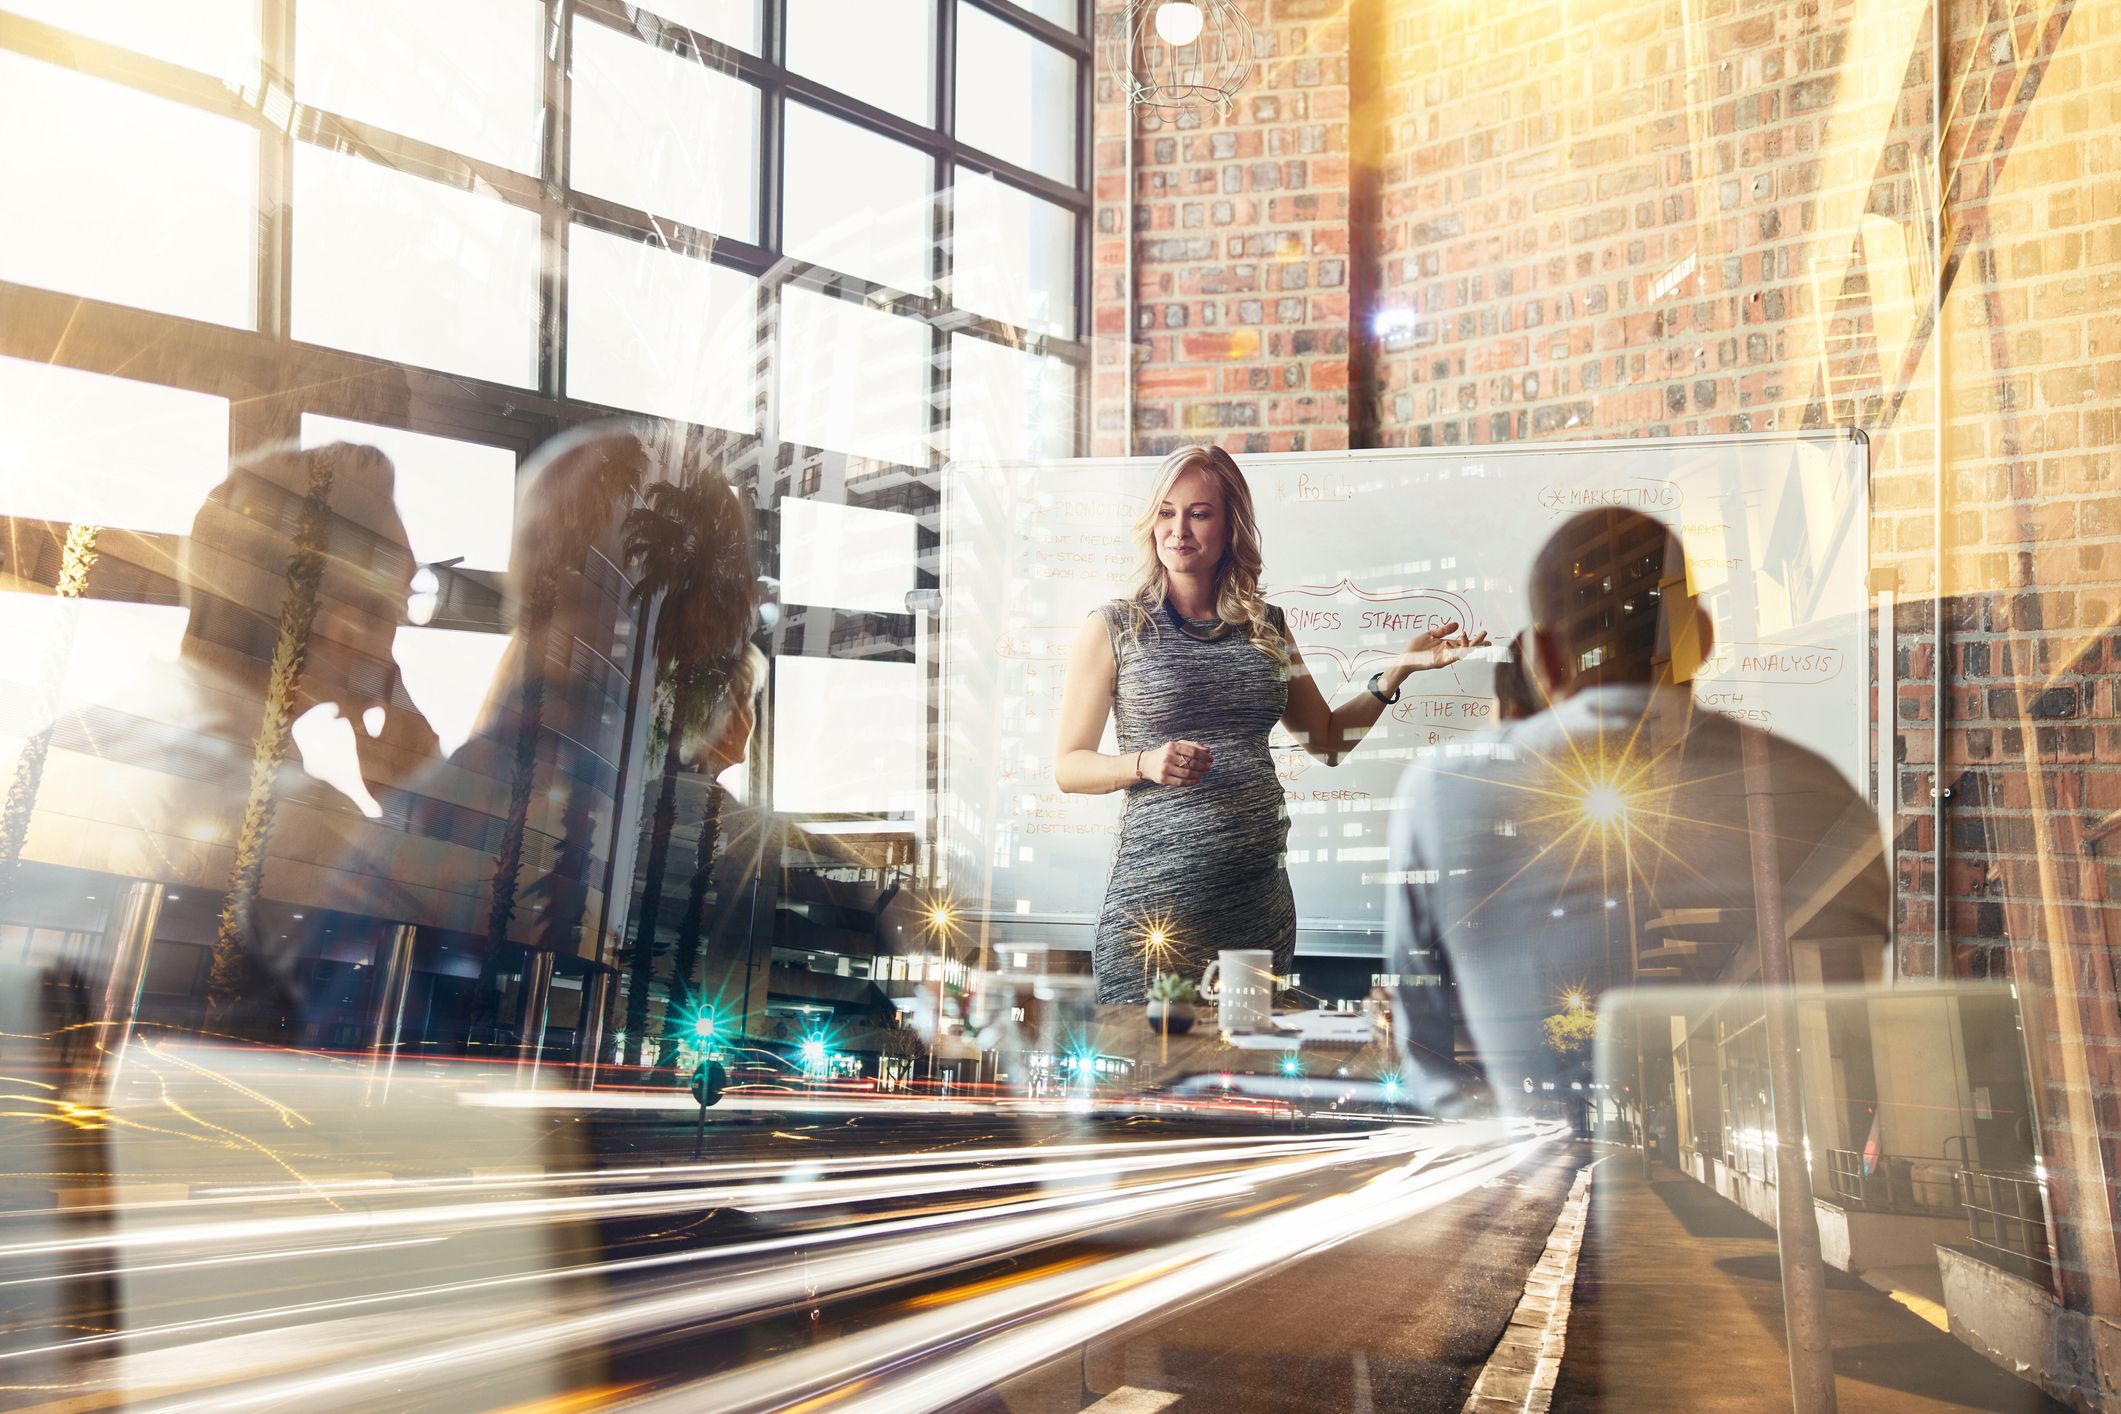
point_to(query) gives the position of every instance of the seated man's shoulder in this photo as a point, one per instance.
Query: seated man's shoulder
(1467, 761)
(1455, 795)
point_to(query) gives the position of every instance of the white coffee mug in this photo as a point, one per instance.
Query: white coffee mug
(1245, 1000)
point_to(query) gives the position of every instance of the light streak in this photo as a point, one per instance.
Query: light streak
(288, 1116)
(923, 1247)
(799, 1242)
(1229, 1147)
(773, 1195)
(233, 1259)
(1048, 1317)
(236, 1140)
(690, 1303)
(402, 1339)
(976, 1289)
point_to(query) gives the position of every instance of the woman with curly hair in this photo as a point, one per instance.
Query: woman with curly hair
(1196, 668)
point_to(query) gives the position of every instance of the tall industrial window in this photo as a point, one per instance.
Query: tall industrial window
(828, 236)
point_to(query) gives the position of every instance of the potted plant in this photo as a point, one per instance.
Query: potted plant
(1171, 1000)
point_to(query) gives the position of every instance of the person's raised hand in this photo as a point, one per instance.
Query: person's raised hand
(1176, 763)
(1440, 647)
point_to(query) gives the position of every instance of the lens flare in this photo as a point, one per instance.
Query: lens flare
(1604, 805)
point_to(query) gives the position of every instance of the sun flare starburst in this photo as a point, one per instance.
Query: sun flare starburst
(1609, 803)
(1158, 944)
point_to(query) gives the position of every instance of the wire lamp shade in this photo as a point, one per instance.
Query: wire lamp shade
(1187, 54)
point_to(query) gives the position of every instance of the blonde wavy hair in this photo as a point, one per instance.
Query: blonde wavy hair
(1238, 602)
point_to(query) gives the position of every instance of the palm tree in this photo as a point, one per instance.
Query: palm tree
(685, 956)
(76, 559)
(690, 545)
(569, 505)
(680, 714)
(230, 978)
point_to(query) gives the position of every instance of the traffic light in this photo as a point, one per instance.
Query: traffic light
(708, 1082)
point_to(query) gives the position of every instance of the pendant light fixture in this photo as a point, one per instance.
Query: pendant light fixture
(1187, 54)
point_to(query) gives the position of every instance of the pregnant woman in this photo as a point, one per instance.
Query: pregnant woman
(1197, 668)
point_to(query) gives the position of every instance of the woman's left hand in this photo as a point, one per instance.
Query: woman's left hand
(1439, 647)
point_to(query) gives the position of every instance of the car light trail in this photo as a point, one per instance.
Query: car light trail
(960, 1243)
(784, 1193)
(1052, 1315)
(864, 1258)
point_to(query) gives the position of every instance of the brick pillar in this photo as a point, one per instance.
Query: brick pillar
(1240, 242)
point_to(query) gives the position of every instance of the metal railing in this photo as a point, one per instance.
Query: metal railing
(2006, 1219)
(1893, 1183)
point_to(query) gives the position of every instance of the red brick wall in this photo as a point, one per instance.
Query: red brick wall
(1629, 220)
(2032, 566)
(1240, 244)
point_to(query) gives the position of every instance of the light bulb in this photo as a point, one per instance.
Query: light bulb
(1178, 22)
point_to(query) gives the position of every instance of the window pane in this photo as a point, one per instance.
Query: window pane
(109, 653)
(411, 270)
(880, 51)
(733, 22)
(827, 757)
(457, 499)
(70, 448)
(659, 332)
(857, 202)
(465, 75)
(218, 37)
(853, 379)
(449, 674)
(1012, 255)
(1008, 405)
(663, 133)
(1015, 95)
(1061, 12)
(136, 200)
(846, 557)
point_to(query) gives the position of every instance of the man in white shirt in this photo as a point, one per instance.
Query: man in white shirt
(1534, 862)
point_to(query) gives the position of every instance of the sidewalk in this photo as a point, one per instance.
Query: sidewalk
(1678, 1307)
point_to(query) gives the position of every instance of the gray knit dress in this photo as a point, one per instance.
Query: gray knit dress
(1203, 863)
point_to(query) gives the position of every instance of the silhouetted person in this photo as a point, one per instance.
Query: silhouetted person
(265, 746)
(545, 744)
(1536, 858)
(298, 572)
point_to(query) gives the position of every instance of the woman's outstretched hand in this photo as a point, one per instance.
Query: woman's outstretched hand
(1176, 763)
(1439, 647)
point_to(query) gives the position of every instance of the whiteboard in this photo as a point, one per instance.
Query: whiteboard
(1362, 549)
